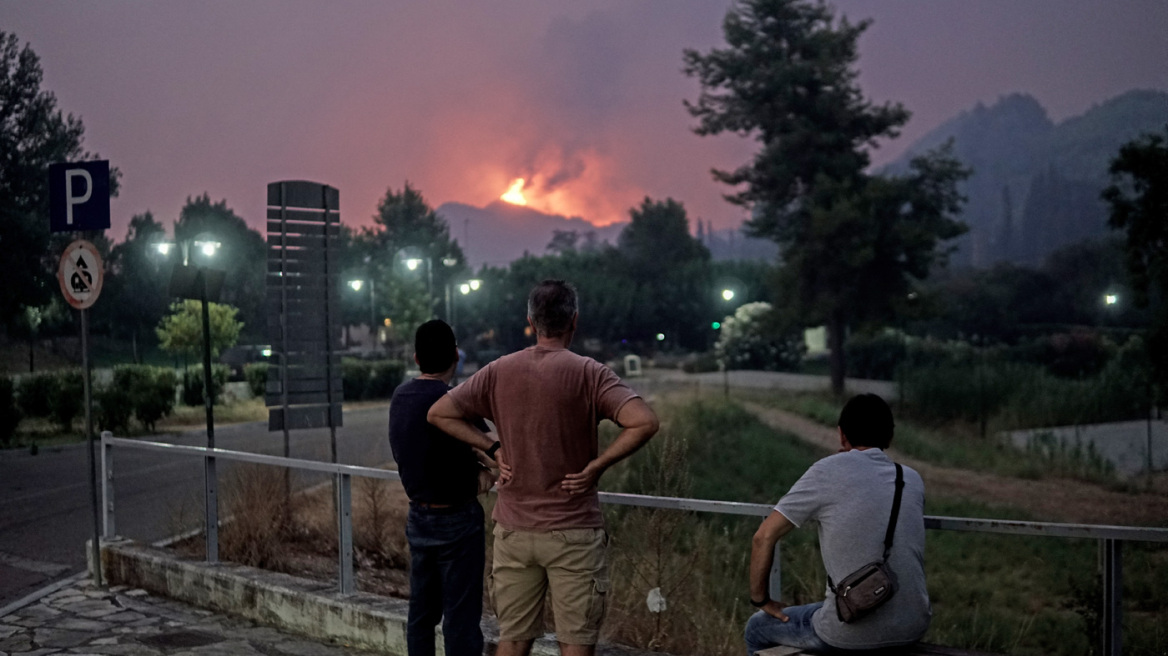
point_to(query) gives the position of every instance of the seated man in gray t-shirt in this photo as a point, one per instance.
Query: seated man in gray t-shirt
(850, 496)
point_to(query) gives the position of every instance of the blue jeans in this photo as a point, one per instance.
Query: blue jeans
(763, 631)
(446, 578)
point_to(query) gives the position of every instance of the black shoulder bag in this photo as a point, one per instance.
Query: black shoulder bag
(867, 588)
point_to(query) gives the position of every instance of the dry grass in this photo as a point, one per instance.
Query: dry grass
(678, 556)
(264, 529)
(254, 499)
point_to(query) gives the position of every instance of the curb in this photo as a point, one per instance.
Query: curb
(42, 593)
(309, 608)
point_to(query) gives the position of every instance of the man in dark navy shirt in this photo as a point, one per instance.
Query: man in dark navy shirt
(442, 477)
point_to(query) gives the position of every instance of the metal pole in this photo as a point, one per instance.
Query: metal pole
(775, 585)
(1151, 407)
(372, 313)
(344, 499)
(97, 578)
(1112, 556)
(107, 485)
(211, 501)
(430, 286)
(328, 321)
(284, 345)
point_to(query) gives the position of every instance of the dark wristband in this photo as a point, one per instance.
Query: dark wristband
(494, 448)
(759, 604)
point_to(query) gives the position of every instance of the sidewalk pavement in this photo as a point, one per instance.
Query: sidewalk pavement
(77, 619)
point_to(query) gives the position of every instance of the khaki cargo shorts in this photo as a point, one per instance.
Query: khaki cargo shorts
(570, 564)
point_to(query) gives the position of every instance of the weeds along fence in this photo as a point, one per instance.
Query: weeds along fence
(1109, 538)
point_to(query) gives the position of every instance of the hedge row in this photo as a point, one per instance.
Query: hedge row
(58, 396)
(139, 391)
(9, 411)
(371, 379)
(136, 392)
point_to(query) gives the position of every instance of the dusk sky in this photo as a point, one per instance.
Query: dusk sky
(581, 98)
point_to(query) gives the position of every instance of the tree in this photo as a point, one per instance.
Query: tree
(242, 254)
(137, 282)
(181, 331)
(33, 134)
(405, 226)
(670, 271)
(849, 241)
(1138, 197)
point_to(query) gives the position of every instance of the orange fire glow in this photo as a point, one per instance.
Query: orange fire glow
(514, 193)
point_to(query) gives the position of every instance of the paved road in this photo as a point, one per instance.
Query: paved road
(45, 513)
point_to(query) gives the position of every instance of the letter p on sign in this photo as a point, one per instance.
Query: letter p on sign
(79, 196)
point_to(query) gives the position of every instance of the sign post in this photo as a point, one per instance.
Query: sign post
(80, 275)
(79, 195)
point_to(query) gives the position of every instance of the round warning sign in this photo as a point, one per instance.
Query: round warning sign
(80, 274)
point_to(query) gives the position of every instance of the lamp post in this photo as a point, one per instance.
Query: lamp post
(356, 286)
(202, 284)
(413, 258)
(464, 288)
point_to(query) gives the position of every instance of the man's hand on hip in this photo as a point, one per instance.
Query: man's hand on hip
(583, 480)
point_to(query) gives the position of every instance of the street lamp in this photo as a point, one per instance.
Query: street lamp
(204, 244)
(464, 288)
(357, 285)
(202, 284)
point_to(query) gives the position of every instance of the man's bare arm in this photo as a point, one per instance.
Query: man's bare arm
(638, 423)
(449, 418)
(762, 555)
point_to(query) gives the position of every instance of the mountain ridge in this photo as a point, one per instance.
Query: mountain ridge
(1036, 183)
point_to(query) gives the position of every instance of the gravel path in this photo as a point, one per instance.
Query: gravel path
(1049, 499)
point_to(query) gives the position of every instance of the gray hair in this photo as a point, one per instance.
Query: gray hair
(551, 306)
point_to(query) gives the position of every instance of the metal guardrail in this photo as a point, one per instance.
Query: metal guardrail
(1111, 538)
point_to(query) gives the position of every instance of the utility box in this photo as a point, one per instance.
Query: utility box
(632, 366)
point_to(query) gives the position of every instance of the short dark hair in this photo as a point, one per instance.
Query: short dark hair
(435, 347)
(551, 307)
(866, 420)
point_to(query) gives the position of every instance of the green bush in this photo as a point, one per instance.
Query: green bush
(158, 401)
(1068, 355)
(875, 356)
(151, 391)
(753, 339)
(702, 363)
(355, 377)
(384, 377)
(192, 387)
(256, 374)
(115, 406)
(67, 398)
(9, 412)
(34, 394)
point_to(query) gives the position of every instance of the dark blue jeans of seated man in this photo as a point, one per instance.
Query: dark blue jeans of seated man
(446, 578)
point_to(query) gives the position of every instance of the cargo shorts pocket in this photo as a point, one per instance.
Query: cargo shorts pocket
(577, 535)
(598, 602)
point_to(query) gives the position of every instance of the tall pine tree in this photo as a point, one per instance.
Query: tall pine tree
(849, 242)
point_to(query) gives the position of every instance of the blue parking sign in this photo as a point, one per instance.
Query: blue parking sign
(79, 196)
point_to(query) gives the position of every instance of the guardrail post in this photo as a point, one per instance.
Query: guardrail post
(775, 584)
(107, 486)
(211, 504)
(345, 531)
(1112, 557)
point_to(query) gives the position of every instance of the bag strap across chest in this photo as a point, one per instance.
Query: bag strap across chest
(891, 531)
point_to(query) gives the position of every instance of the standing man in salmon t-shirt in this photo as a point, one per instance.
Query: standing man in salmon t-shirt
(546, 403)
